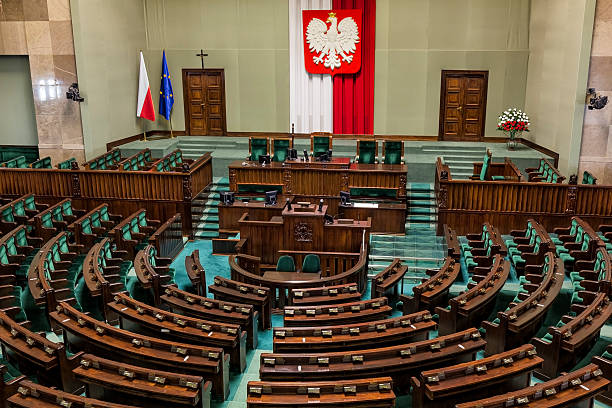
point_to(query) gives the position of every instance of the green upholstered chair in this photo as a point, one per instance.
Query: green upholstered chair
(44, 163)
(258, 146)
(279, 149)
(285, 264)
(66, 164)
(311, 264)
(393, 152)
(367, 152)
(320, 143)
(485, 165)
(588, 178)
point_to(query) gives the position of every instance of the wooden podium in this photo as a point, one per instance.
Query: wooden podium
(301, 229)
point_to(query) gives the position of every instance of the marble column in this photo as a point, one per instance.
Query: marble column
(596, 150)
(42, 29)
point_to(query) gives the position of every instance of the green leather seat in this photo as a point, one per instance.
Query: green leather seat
(393, 152)
(588, 178)
(367, 152)
(67, 164)
(44, 163)
(285, 264)
(485, 167)
(258, 147)
(7, 215)
(311, 264)
(280, 149)
(320, 145)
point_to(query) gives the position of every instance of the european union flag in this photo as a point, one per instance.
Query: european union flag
(166, 96)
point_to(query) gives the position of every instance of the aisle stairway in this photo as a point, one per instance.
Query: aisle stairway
(459, 158)
(204, 210)
(421, 209)
(420, 249)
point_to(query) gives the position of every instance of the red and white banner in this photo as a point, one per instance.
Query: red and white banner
(332, 41)
(145, 108)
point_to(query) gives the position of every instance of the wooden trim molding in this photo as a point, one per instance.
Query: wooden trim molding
(541, 149)
(140, 136)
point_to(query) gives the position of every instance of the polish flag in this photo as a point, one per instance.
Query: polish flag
(145, 108)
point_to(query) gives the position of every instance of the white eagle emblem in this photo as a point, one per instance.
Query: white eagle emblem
(337, 41)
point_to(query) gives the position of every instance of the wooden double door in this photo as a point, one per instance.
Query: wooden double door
(204, 98)
(463, 103)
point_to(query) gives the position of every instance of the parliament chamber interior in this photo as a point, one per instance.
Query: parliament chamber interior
(355, 203)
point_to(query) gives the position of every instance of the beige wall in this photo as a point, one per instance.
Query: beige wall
(17, 113)
(596, 149)
(248, 38)
(108, 36)
(416, 40)
(560, 43)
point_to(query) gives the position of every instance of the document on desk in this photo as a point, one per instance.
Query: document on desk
(365, 205)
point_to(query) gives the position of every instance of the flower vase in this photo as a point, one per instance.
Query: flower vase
(511, 143)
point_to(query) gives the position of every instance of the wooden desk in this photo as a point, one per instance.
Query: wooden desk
(258, 210)
(388, 218)
(292, 277)
(321, 179)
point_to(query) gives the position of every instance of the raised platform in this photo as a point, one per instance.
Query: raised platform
(420, 156)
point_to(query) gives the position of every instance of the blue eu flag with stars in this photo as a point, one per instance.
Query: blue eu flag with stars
(166, 96)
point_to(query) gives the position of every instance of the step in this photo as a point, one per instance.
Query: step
(422, 211)
(206, 226)
(453, 149)
(461, 168)
(207, 234)
(462, 156)
(431, 202)
(206, 211)
(421, 196)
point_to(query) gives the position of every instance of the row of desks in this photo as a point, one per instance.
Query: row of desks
(314, 178)
(386, 217)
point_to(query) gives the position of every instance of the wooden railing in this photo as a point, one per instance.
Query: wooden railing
(168, 239)
(162, 194)
(245, 268)
(466, 204)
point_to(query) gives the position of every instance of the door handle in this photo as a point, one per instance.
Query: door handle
(460, 108)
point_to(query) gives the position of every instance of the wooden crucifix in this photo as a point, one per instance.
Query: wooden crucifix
(202, 55)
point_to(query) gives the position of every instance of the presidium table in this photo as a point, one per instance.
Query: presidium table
(379, 190)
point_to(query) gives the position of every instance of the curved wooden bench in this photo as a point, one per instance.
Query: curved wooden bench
(577, 336)
(565, 391)
(366, 393)
(399, 362)
(523, 319)
(388, 279)
(326, 295)
(258, 296)
(331, 315)
(186, 303)
(48, 278)
(30, 351)
(84, 333)
(432, 292)
(356, 336)
(141, 318)
(116, 381)
(196, 272)
(469, 308)
(447, 386)
(32, 395)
